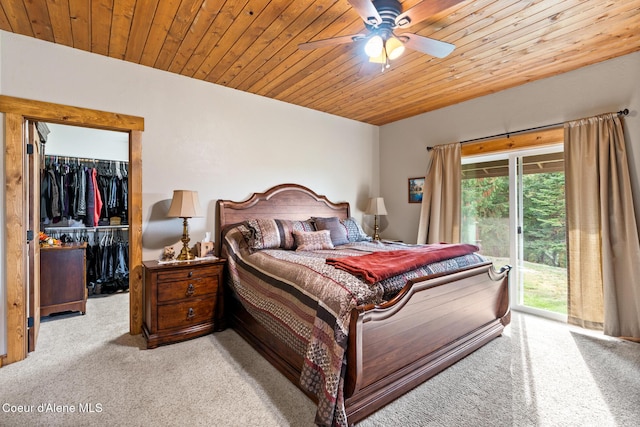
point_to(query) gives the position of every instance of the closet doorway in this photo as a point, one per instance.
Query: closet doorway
(84, 215)
(16, 112)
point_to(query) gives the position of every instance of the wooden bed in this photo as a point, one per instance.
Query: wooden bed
(431, 324)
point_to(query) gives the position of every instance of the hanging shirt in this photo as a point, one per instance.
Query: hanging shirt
(81, 193)
(98, 199)
(91, 199)
(55, 195)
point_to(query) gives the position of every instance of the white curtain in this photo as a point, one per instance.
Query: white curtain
(441, 198)
(603, 246)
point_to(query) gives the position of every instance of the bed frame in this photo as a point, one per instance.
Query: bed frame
(431, 324)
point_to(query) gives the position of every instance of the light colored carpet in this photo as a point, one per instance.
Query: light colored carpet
(539, 373)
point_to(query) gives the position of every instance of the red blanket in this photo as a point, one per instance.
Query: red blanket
(378, 266)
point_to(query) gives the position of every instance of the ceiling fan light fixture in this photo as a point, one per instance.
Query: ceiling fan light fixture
(374, 46)
(394, 48)
(380, 59)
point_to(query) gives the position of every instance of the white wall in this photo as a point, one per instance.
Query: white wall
(218, 141)
(223, 143)
(600, 88)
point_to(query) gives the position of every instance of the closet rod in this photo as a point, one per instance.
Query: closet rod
(97, 228)
(84, 159)
(508, 134)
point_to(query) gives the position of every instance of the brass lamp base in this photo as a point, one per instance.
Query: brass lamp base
(376, 236)
(185, 253)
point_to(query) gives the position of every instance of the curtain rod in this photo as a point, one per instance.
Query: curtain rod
(508, 134)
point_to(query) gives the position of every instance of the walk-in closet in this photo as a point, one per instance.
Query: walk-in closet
(84, 220)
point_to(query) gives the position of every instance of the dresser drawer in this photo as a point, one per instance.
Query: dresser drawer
(189, 288)
(188, 273)
(183, 314)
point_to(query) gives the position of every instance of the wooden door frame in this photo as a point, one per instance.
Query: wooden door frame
(16, 111)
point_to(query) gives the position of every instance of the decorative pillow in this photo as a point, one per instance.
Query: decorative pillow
(246, 232)
(355, 233)
(274, 233)
(312, 240)
(337, 230)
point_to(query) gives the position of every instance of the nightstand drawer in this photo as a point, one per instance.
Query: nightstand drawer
(188, 273)
(190, 288)
(186, 313)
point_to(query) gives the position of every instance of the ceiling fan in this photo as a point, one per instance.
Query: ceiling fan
(382, 18)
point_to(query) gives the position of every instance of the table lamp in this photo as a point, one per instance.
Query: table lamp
(376, 207)
(185, 204)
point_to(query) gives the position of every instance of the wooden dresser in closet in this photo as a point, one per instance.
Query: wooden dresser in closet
(63, 278)
(182, 300)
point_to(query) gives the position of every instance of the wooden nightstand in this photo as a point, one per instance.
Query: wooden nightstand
(182, 300)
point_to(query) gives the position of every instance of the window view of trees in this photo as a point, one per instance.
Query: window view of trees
(485, 222)
(544, 219)
(485, 214)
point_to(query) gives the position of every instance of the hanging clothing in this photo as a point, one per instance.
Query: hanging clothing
(110, 260)
(71, 192)
(55, 194)
(77, 194)
(81, 193)
(96, 196)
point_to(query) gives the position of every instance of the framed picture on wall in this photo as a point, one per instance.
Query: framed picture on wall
(415, 189)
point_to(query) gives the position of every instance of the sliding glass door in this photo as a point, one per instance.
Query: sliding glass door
(541, 233)
(513, 209)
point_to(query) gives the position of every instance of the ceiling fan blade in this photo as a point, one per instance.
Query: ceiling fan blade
(422, 11)
(367, 11)
(330, 42)
(426, 45)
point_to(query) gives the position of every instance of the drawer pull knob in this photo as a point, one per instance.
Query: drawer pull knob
(191, 314)
(190, 290)
(190, 273)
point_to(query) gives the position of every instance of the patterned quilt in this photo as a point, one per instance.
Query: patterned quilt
(307, 303)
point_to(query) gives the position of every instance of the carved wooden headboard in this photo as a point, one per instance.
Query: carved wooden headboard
(285, 201)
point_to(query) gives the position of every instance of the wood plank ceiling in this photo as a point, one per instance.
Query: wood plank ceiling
(252, 46)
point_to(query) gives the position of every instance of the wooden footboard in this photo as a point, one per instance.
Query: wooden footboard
(430, 325)
(395, 347)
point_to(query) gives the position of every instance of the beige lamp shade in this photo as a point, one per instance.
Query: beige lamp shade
(185, 204)
(376, 206)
